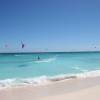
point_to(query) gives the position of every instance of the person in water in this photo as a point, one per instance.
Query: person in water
(38, 58)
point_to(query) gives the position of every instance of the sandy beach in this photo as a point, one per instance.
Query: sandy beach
(73, 89)
(92, 93)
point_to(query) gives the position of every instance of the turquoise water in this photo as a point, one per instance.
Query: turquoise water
(50, 64)
(21, 66)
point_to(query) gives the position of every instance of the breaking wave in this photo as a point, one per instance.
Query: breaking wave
(43, 80)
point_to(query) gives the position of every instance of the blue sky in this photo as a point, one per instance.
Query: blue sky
(49, 25)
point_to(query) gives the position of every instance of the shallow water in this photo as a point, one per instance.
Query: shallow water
(26, 66)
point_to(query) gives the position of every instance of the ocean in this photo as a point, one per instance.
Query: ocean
(17, 69)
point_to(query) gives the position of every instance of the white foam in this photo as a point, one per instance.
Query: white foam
(21, 82)
(19, 55)
(95, 73)
(36, 81)
(43, 80)
(7, 82)
(45, 60)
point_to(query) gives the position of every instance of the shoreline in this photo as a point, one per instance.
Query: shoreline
(46, 80)
(52, 90)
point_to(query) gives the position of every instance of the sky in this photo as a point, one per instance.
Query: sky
(49, 25)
